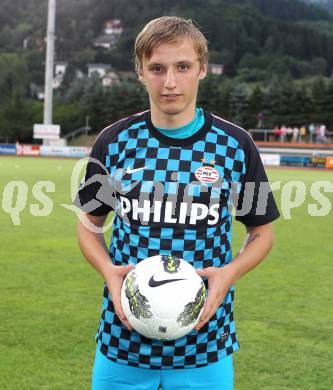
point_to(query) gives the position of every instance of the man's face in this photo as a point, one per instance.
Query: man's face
(171, 76)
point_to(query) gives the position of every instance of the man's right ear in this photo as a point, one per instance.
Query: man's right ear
(142, 81)
(140, 74)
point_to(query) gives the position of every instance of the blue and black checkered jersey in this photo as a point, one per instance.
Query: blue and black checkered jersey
(174, 197)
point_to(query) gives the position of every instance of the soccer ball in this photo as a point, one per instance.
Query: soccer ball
(163, 297)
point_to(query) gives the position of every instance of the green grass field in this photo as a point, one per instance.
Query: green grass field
(51, 297)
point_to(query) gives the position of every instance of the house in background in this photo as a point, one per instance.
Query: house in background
(111, 78)
(36, 91)
(60, 68)
(113, 26)
(215, 69)
(79, 74)
(100, 69)
(59, 73)
(105, 41)
(111, 33)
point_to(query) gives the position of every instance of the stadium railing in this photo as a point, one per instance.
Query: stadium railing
(75, 133)
(267, 135)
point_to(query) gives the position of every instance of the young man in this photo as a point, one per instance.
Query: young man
(196, 162)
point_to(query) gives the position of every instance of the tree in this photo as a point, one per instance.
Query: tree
(280, 102)
(256, 105)
(210, 96)
(238, 103)
(69, 116)
(12, 75)
(319, 100)
(116, 102)
(16, 118)
(82, 90)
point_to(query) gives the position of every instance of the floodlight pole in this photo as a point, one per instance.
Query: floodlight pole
(48, 92)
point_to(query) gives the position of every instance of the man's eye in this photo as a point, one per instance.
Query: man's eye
(183, 67)
(157, 69)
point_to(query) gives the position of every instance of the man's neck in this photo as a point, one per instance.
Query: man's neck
(172, 121)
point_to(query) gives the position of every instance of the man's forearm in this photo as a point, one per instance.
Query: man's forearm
(257, 245)
(94, 249)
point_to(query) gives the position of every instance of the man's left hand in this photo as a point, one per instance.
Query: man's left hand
(219, 281)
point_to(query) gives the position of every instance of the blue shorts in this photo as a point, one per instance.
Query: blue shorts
(108, 375)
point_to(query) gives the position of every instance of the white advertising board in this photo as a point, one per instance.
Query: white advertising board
(27, 150)
(270, 159)
(46, 131)
(65, 151)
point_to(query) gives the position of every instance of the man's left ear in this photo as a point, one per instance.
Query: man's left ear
(203, 72)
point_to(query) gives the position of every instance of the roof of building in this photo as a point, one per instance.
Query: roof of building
(102, 66)
(105, 39)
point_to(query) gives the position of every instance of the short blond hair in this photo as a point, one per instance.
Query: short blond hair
(168, 29)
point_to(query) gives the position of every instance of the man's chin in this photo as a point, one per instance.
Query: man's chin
(172, 109)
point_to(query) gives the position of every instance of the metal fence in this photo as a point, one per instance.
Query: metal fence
(267, 135)
(81, 131)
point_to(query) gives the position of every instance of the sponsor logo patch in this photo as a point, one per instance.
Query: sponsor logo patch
(224, 337)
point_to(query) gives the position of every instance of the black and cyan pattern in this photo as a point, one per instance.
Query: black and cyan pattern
(162, 209)
(196, 349)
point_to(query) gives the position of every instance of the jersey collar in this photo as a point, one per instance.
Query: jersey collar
(176, 141)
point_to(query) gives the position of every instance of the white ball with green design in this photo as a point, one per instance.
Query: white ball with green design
(163, 297)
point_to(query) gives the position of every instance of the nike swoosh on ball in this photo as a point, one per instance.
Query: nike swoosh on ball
(155, 283)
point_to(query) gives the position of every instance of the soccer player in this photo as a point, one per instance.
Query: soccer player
(175, 172)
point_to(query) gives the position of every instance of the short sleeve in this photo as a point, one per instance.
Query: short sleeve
(94, 194)
(256, 204)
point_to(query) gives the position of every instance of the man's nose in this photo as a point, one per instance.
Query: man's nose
(170, 80)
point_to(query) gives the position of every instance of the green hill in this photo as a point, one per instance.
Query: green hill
(234, 29)
(264, 45)
(325, 4)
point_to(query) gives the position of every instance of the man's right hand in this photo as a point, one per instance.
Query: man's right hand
(114, 281)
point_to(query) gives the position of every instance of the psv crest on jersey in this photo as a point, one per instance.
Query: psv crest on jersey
(207, 174)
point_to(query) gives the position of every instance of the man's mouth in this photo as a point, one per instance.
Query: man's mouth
(171, 96)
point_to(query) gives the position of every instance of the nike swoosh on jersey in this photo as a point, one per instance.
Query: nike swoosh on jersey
(129, 170)
(155, 283)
